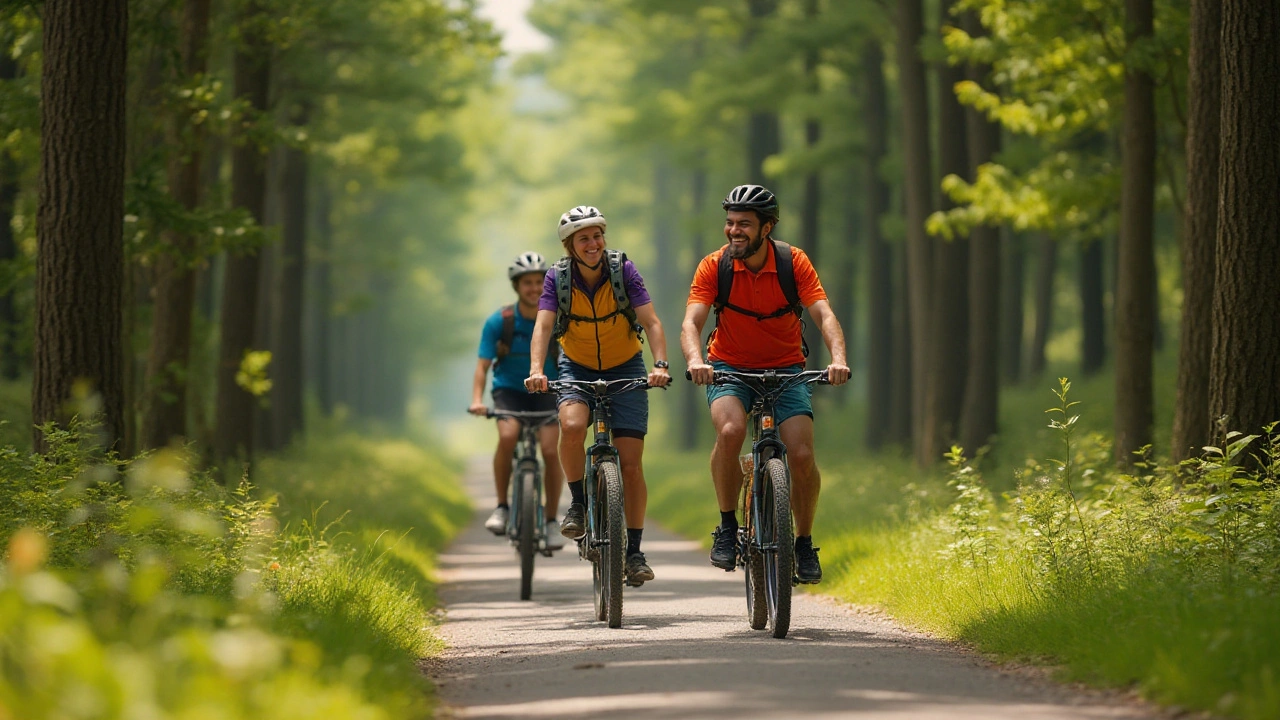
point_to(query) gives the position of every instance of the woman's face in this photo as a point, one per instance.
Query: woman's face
(588, 246)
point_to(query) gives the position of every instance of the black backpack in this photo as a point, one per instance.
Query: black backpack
(509, 333)
(786, 278)
(564, 295)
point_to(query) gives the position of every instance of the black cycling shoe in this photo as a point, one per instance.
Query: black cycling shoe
(574, 524)
(724, 549)
(638, 571)
(808, 569)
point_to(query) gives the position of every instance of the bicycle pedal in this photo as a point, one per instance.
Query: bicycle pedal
(630, 583)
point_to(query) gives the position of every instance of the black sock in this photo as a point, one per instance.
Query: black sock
(728, 520)
(633, 540)
(579, 492)
(504, 506)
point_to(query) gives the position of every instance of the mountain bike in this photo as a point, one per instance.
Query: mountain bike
(766, 541)
(605, 540)
(526, 524)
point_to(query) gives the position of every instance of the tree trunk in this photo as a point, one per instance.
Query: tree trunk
(80, 219)
(1135, 307)
(1245, 366)
(1093, 322)
(10, 357)
(880, 337)
(918, 192)
(901, 417)
(1192, 428)
(763, 137)
(810, 211)
(324, 323)
(947, 353)
(1012, 314)
(164, 416)
(1046, 268)
(287, 388)
(982, 383)
(693, 400)
(234, 433)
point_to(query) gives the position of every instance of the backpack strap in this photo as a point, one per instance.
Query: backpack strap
(508, 331)
(617, 261)
(786, 279)
(564, 295)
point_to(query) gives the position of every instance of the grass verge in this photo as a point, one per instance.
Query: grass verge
(142, 589)
(1128, 580)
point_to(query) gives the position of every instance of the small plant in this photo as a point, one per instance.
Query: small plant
(969, 517)
(1065, 424)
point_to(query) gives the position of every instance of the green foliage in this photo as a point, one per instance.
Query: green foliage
(143, 588)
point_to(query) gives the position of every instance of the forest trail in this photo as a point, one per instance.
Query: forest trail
(685, 650)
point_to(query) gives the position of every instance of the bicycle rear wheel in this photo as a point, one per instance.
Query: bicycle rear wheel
(779, 556)
(526, 540)
(609, 521)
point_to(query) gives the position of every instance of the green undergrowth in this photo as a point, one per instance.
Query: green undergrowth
(145, 589)
(1163, 579)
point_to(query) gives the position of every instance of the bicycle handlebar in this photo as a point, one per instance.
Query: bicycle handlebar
(765, 381)
(531, 417)
(602, 388)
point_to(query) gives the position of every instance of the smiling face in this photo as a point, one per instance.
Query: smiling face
(587, 246)
(529, 288)
(743, 230)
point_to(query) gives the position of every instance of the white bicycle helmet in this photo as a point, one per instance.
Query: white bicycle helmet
(578, 218)
(525, 264)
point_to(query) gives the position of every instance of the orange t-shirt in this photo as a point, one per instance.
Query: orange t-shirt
(741, 340)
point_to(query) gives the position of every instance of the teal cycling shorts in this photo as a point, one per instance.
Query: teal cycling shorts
(793, 402)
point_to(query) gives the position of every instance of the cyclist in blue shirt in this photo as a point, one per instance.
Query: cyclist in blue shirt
(509, 358)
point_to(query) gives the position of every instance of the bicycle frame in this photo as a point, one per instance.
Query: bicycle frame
(525, 457)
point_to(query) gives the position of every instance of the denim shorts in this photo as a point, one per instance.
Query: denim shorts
(630, 416)
(793, 402)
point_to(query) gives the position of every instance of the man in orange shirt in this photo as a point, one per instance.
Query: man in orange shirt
(759, 329)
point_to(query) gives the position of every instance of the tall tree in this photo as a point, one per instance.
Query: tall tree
(810, 234)
(323, 299)
(1245, 367)
(763, 137)
(1135, 301)
(918, 191)
(693, 400)
(947, 352)
(879, 255)
(982, 382)
(10, 362)
(80, 219)
(1093, 347)
(286, 402)
(164, 413)
(1191, 420)
(234, 424)
(1012, 291)
(1046, 269)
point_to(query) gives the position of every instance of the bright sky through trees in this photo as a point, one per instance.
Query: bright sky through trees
(518, 36)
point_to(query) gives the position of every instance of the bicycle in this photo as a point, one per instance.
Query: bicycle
(766, 543)
(606, 526)
(526, 525)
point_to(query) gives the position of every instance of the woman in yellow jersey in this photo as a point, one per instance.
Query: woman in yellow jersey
(599, 342)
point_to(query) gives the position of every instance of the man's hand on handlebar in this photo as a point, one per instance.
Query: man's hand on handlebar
(478, 408)
(838, 373)
(701, 373)
(659, 377)
(537, 382)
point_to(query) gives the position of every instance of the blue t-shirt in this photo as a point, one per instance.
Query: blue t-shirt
(509, 373)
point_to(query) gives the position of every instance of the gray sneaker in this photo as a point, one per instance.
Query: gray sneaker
(555, 541)
(638, 571)
(575, 522)
(497, 522)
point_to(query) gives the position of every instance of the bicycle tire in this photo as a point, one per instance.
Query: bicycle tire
(753, 559)
(779, 565)
(526, 538)
(612, 556)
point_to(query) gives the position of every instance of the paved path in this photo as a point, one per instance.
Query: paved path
(685, 649)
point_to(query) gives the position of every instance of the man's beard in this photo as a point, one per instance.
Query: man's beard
(749, 249)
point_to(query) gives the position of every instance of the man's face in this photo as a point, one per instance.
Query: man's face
(588, 245)
(743, 231)
(529, 288)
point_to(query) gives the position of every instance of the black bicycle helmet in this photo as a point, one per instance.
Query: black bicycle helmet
(752, 197)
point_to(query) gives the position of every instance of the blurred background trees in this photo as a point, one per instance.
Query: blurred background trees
(321, 197)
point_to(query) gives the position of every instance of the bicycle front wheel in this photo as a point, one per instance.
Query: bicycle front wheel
(757, 599)
(613, 539)
(526, 538)
(779, 542)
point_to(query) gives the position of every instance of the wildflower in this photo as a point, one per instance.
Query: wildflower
(273, 566)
